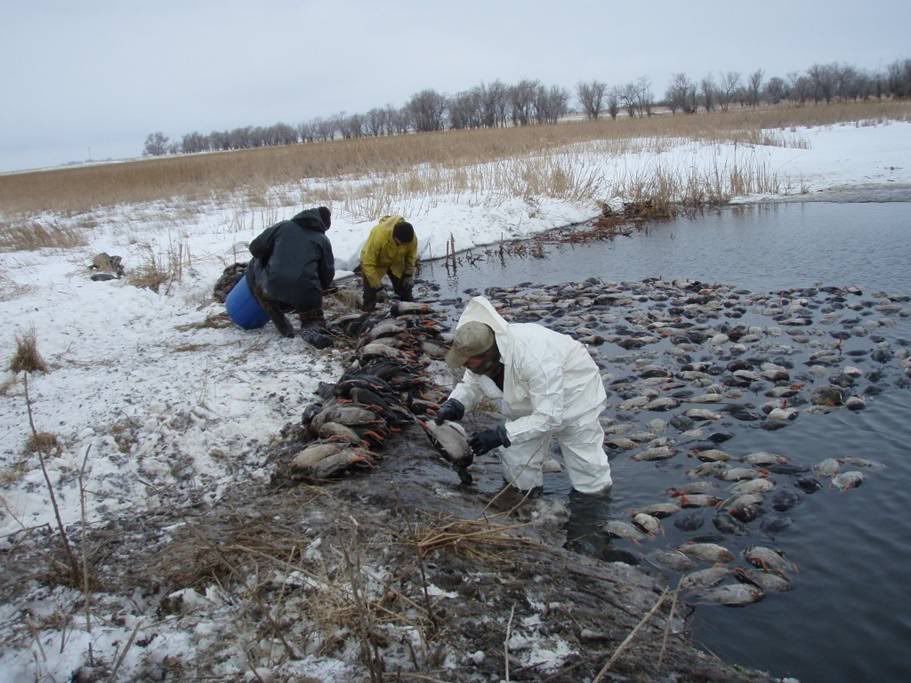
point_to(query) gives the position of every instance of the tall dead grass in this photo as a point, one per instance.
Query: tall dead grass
(33, 235)
(76, 190)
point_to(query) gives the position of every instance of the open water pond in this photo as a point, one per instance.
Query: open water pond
(848, 617)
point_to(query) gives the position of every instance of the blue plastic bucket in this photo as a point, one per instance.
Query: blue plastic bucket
(243, 308)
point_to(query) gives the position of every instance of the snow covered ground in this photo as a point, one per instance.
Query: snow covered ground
(165, 411)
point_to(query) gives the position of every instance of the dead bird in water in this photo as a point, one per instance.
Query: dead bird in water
(708, 552)
(848, 480)
(768, 560)
(704, 578)
(732, 595)
(767, 581)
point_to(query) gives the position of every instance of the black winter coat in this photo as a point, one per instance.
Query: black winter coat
(292, 261)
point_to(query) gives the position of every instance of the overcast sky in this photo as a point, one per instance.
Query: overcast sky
(90, 79)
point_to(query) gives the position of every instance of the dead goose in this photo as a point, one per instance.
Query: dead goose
(704, 578)
(329, 464)
(848, 480)
(768, 560)
(732, 595)
(708, 552)
(767, 581)
(450, 440)
(621, 529)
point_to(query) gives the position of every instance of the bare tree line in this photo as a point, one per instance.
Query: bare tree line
(529, 102)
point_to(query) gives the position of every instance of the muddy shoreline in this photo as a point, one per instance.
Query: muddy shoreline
(396, 572)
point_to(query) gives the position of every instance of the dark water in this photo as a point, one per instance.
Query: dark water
(849, 615)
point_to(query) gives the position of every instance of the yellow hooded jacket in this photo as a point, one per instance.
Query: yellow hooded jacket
(381, 253)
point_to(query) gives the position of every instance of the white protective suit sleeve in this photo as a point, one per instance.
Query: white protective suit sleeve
(544, 378)
(468, 392)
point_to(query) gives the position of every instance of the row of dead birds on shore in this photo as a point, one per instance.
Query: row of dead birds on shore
(385, 388)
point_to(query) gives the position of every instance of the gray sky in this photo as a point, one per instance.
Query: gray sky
(90, 79)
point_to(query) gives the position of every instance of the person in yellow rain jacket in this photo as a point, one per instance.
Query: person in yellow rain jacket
(391, 249)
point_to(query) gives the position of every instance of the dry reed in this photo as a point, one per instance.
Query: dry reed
(76, 190)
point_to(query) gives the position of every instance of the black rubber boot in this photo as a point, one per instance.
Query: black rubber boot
(313, 328)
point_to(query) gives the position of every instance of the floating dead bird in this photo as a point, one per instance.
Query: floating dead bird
(660, 510)
(708, 552)
(690, 521)
(785, 499)
(670, 559)
(621, 529)
(848, 480)
(647, 523)
(767, 559)
(732, 595)
(698, 500)
(769, 582)
(764, 458)
(775, 524)
(702, 414)
(758, 485)
(712, 455)
(450, 440)
(738, 473)
(658, 453)
(704, 578)
(692, 487)
(728, 525)
(808, 484)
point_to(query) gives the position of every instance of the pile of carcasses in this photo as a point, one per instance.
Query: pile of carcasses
(687, 365)
(385, 388)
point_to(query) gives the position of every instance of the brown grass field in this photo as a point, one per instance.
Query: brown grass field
(72, 191)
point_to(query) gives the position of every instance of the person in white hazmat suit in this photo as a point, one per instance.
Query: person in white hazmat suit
(546, 384)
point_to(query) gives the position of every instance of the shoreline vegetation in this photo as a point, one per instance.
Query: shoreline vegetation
(364, 177)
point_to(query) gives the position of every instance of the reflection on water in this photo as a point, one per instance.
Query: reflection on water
(849, 615)
(762, 248)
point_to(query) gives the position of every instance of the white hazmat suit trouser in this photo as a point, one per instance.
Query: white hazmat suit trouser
(552, 389)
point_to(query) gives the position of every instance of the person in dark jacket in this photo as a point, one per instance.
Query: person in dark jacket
(291, 266)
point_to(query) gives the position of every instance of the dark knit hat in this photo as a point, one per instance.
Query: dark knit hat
(326, 215)
(403, 232)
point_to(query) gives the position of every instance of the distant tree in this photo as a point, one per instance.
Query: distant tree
(522, 100)
(613, 102)
(324, 129)
(754, 88)
(644, 96)
(376, 121)
(823, 77)
(194, 142)
(727, 90)
(465, 109)
(681, 94)
(494, 103)
(156, 145)
(591, 98)
(708, 93)
(550, 104)
(628, 99)
(776, 90)
(427, 109)
(306, 131)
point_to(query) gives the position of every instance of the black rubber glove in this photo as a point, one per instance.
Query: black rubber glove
(489, 439)
(406, 290)
(369, 304)
(452, 409)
